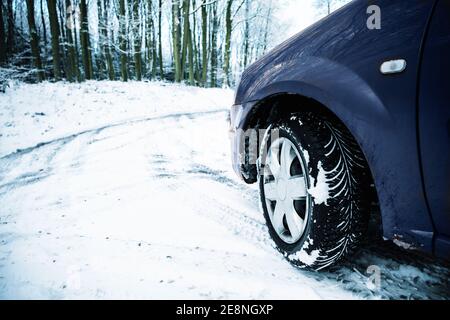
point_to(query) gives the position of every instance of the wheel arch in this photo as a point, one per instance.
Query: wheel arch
(282, 104)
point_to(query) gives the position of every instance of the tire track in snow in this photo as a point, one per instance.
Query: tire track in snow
(238, 222)
(39, 165)
(10, 161)
(404, 275)
(63, 140)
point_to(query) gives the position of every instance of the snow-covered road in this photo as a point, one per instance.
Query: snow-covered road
(142, 203)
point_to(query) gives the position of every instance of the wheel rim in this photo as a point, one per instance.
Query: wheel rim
(286, 190)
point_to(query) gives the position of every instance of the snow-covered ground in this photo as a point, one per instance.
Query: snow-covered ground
(124, 190)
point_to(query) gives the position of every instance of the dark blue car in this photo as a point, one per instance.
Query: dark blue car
(352, 113)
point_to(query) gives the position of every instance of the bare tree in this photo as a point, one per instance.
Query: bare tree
(204, 42)
(137, 40)
(72, 64)
(11, 27)
(176, 39)
(107, 44)
(191, 54)
(34, 40)
(228, 29)
(214, 51)
(160, 53)
(151, 53)
(246, 42)
(43, 24)
(123, 41)
(85, 41)
(2, 37)
(54, 30)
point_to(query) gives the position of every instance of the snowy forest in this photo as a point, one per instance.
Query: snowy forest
(196, 41)
(200, 42)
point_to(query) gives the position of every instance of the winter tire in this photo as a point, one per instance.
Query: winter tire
(314, 186)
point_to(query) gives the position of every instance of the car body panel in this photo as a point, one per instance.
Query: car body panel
(434, 118)
(337, 63)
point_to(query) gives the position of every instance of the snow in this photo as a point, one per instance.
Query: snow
(403, 244)
(125, 191)
(319, 189)
(38, 113)
(307, 258)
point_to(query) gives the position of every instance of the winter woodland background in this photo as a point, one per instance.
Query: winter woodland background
(200, 42)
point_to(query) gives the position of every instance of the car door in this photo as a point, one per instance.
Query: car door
(434, 121)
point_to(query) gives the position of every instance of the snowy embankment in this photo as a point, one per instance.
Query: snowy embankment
(124, 190)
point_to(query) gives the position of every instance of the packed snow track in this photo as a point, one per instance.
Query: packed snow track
(132, 196)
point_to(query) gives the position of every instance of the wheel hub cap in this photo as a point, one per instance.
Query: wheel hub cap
(286, 190)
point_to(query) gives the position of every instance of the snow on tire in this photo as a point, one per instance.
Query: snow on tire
(317, 210)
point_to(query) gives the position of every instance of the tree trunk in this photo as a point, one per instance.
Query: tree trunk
(85, 41)
(186, 4)
(215, 26)
(204, 43)
(130, 41)
(10, 43)
(152, 55)
(54, 30)
(106, 43)
(153, 43)
(176, 39)
(179, 29)
(44, 26)
(137, 40)
(191, 59)
(63, 39)
(160, 54)
(77, 48)
(34, 41)
(228, 27)
(62, 29)
(194, 44)
(148, 38)
(71, 56)
(246, 32)
(123, 41)
(2, 37)
(101, 59)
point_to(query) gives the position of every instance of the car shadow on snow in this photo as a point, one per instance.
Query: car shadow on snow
(381, 270)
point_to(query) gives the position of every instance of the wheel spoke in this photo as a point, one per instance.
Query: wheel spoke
(297, 188)
(294, 222)
(286, 157)
(270, 191)
(277, 220)
(274, 164)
